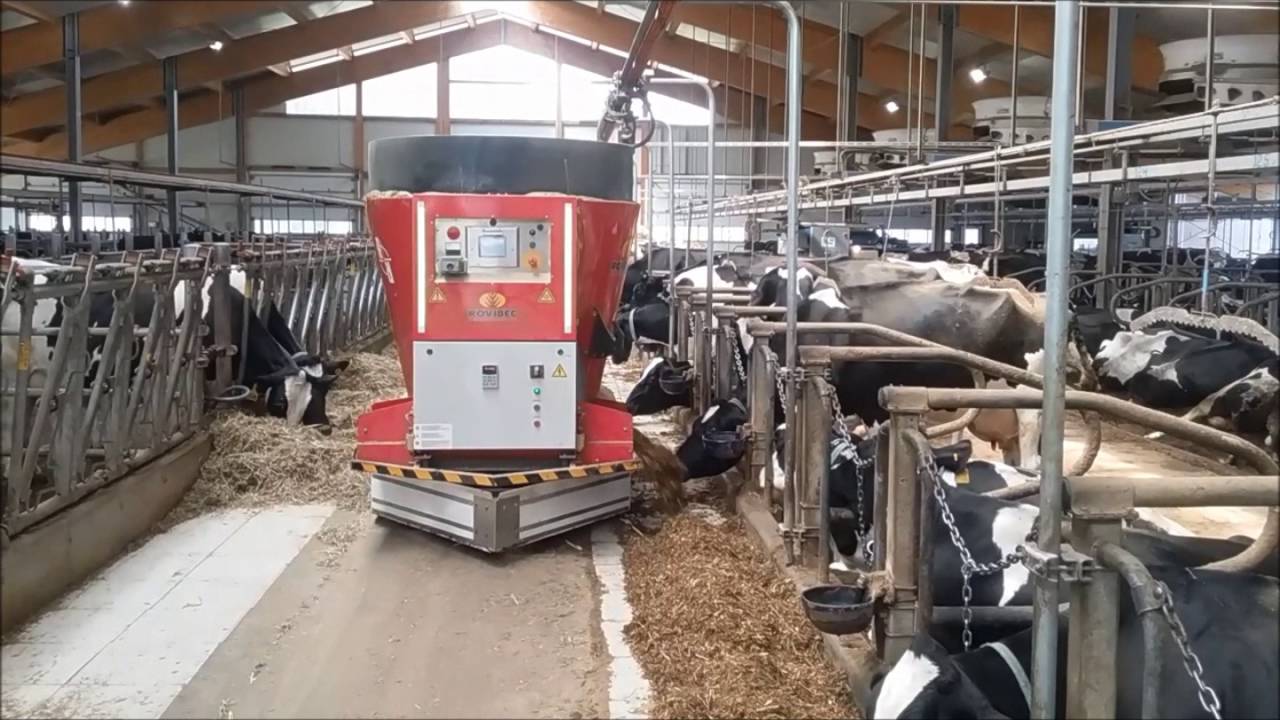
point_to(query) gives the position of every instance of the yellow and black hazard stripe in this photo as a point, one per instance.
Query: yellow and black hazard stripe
(506, 480)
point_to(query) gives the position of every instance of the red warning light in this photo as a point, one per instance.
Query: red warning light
(453, 232)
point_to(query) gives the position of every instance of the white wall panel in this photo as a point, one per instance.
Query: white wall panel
(203, 146)
(300, 141)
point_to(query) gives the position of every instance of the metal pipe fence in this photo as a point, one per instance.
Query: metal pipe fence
(87, 394)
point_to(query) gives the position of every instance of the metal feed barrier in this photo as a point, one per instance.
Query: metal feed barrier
(1092, 561)
(905, 498)
(88, 401)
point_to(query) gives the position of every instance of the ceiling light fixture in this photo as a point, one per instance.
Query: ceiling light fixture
(891, 106)
(977, 75)
(216, 45)
(123, 2)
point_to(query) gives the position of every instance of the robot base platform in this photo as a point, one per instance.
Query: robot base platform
(495, 519)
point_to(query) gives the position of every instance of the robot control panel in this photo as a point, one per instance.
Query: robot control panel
(492, 250)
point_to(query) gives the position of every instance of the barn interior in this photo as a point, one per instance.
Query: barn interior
(596, 358)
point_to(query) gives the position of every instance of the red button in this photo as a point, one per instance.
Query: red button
(453, 232)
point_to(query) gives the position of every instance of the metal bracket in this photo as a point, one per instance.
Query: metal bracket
(802, 374)
(1070, 566)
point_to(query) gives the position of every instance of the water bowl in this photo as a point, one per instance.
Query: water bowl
(838, 609)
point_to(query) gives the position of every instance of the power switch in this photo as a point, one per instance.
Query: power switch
(489, 377)
(535, 372)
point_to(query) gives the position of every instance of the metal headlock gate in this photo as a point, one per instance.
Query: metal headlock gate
(1090, 564)
(90, 395)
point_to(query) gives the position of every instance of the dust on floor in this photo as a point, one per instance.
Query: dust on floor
(717, 629)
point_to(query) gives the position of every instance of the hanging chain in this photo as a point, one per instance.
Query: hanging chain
(968, 567)
(731, 335)
(859, 463)
(779, 380)
(1208, 698)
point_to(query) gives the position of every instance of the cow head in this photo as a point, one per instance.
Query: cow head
(647, 290)
(715, 444)
(664, 384)
(926, 683)
(298, 392)
(772, 288)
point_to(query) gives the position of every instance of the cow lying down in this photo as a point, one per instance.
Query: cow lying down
(1226, 615)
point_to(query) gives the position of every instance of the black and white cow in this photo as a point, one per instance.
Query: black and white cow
(1248, 405)
(947, 304)
(991, 528)
(715, 444)
(650, 321)
(639, 280)
(851, 483)
(293, 382)
(1174, 368)
(1226, 616)
(663, 384)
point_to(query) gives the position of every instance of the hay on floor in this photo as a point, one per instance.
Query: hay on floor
(719, 632)
(258, 461)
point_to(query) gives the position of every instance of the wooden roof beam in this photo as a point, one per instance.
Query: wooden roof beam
(29, 9)
(266, 91)
(813, 127)
(272, 50)
(884, 65)
(1036, 36)
(113, 25)
(880, 33)
(687, 55)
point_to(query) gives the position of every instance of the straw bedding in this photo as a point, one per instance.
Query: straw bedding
(258, 461)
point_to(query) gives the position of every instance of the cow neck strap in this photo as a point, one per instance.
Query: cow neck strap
(631, 321)
(1024, 684)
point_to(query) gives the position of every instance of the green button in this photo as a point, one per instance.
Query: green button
(537, 391)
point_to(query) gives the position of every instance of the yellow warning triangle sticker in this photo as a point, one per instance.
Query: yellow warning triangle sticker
(437, 295)
(546, 296)
(559, 372)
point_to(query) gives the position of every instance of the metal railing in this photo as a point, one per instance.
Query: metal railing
(86, 394)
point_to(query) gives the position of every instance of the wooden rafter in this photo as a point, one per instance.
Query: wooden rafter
(880, 33)
(29, 9)
(716, 64)
(1036, 36)
(266, 91)
(272, 50)
(884, 65)
(114, 25)
(814, 127)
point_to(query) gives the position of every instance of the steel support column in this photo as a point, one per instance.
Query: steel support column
(71, 78)
(853, 74)
(243, 221)
(1044, 659)
(759, 155)
(945, 70)
(171, 141)
(1119, 106)
(444, 115)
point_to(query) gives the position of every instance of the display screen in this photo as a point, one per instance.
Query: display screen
(493, 246)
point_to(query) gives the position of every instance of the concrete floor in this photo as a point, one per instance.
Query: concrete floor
(409, 625)
(248, 616)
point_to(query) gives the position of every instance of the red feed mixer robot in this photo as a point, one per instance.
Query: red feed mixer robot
(502, 261)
